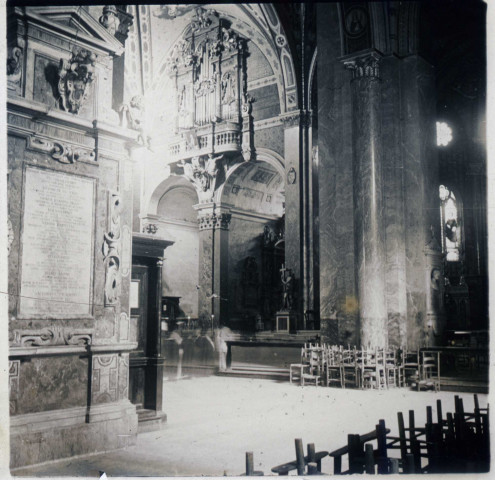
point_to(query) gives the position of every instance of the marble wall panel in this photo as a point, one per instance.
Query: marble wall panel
(271, 138)
(180, 268)
(52, 383)
(266, 104)
(339, 307)
(245, 240)
(205, 271)
(257, 65)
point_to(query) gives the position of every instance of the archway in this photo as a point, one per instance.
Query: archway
(254, 192)
(171, 209)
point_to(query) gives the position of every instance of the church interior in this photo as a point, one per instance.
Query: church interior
(215, 207)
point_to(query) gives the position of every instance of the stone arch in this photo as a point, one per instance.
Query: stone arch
(169, 183)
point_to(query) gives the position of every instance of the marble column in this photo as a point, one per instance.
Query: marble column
(368, 201)
(475, 243)
(213, 223)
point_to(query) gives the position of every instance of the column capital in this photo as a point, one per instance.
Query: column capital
(296, 118)
(363, 65)
(212, 217)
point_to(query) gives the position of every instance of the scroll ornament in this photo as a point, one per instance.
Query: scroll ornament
(111, 252)
(50, 336)
(75, 77)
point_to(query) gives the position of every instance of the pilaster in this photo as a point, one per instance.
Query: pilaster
(213, 221)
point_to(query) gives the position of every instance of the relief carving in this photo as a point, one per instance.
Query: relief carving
(50, 336)
(14, 66)
(104, 378)
(202, 172)
(64, 153)
(10, 235)
(68, 154)
(14, 367)
(111, 252)
(75, 77)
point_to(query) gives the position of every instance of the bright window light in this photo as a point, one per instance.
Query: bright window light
(444, 134)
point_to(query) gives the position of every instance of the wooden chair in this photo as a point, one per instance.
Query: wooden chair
(430, 370)
(411, 367)
(302, 461)
(393, 370)
(355, 451)
(312, 372)
(333, 366)
(372, 368)
(350, 370)
(296, 369)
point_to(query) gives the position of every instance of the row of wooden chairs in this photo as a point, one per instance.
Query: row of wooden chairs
(366, 367)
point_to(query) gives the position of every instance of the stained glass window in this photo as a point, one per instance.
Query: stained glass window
(451, 232)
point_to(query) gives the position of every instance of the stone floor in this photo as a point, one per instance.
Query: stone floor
(213, 421)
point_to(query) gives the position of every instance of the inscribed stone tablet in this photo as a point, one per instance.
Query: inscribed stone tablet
(57, 244)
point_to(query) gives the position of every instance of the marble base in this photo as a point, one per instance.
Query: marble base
(150, 420)
(42, 437)
(285, 321)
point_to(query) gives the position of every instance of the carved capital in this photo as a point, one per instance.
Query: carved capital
(291, 119)
(212, 221)
(364, 67)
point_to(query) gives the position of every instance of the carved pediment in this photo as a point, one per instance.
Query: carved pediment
(71, 19)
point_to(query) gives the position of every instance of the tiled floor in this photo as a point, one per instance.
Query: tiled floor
(213, 421)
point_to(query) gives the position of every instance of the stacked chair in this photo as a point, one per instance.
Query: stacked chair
(458, 443)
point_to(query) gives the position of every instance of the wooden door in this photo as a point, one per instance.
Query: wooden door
(139, 315)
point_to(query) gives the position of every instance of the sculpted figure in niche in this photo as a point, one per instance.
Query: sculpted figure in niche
(133, 117)
(288, 288)
(436, 286)
(109, 19)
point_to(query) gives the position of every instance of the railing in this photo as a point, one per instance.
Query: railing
(211, 139)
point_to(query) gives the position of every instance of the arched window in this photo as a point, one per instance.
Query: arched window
(450, 218)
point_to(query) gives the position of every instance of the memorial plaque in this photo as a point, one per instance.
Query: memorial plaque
(57, 244)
